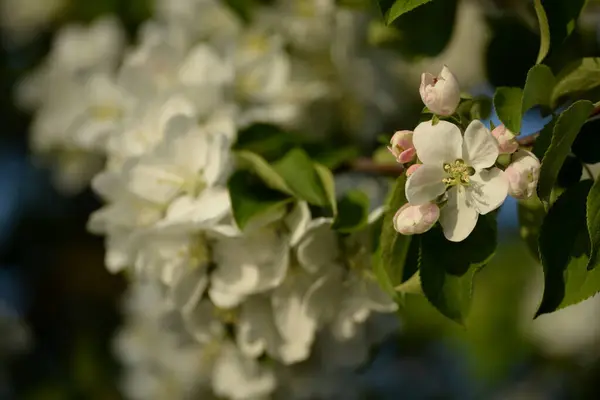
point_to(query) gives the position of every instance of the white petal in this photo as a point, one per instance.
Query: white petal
(202, 322)
(437, 144)
(189, 213)
(425, 184)
(296, 325)
(480, 148)
(238, 377)
(319, 246)
(256, 330)
(488, 189)
(218, 162)
(297, 221)
(459, 216)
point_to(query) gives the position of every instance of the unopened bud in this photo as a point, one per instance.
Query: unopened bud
(440, 94)
(523, 174)
(507, 142)
(411, 220)
(401, 146)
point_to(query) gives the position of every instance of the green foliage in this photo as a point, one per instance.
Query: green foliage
(300, 174)
(544, 139)
(564, 245)
(577, 78)
(353, 212)
(531, 214)
(413, 36)
(251, 198)
(393, 9)
(508, 106)
(328, 184)
(264, 170)
(593, 224)
(447, 268)
(512, 103)
(392, 250)
(544, 30)
(565, 130)
(562, 18)
(266, 140)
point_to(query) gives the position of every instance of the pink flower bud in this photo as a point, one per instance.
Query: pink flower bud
(411, 220)
(507, 143)
(440, 94)
(522, 174)
(402, 146)
(411, 170)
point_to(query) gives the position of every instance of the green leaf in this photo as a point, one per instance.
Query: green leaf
(328, 182)
(579, 77)
(353, 212)
(250, 198)
(335, 157)
(300, 175)
(544, 30)
(393, 247)
(566, 129)
(538, 88)
(593, 224)
(448, 268)
(263, 169)
(268, 141)
(564, 245)
(414, 39)
(393, 9)
(531, 214)
(508, 104)
(543, 140)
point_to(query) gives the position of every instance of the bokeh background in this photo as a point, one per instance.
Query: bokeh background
(60, 308)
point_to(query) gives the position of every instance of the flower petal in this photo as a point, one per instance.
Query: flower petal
(488, 190)
(480, 148)
(425, 184)
(439, 143)
(459, 216)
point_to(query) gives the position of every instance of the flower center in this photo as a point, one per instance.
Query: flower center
(459, 173)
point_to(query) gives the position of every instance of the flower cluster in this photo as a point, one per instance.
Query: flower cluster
(454, 175)
(213, 310)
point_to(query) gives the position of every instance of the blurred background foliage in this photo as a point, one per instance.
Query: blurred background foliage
(52, 271)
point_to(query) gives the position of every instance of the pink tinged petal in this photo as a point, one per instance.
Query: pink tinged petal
(407, 156)
(480, 149)
(438, 144)
(507, 142)
(459, 216)
(488, 190)
(442, 94)
(425, 184)
(523, 174)
(411, 170)
(411, 220)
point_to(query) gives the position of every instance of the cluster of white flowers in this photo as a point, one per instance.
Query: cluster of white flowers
(453, 176)
(286, 307)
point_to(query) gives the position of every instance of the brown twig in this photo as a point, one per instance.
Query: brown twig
(369, 166)
(528, 140)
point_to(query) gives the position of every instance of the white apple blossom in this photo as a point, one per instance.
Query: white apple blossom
(461, 169)
(523, 174)
(401, 146)
(441, 94)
